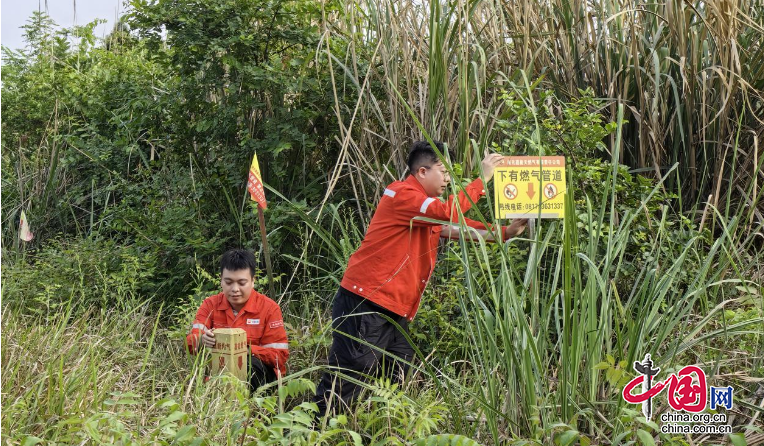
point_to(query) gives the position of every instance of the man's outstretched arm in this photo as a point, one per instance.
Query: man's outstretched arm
(516, 228)
(413, 204)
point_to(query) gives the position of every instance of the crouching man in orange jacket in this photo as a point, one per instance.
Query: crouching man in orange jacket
(240, 306)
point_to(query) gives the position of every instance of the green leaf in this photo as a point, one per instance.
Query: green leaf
(566, 438)
(613, 375)
(748, 290)
(357, 440)
(602, 366)
(738, 439)
(173, 417)
(31, 440)
(645, 437)
(185, 433)
(651, 424)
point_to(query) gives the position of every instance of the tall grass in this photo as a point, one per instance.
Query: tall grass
(550, 342)
(124, 379)
(687, 97)
(684, 81)
(537, 335)
(688, 74)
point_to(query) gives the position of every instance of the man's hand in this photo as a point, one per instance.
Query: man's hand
(516, 228)
(489, 163)
(208, 338)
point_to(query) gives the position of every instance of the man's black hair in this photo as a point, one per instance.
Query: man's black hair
(422, 154)
(236, 259)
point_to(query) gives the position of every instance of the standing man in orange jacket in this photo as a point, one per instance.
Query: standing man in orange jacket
(387, 275)
(240, 306)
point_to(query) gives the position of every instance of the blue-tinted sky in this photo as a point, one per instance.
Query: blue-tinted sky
(15, 13)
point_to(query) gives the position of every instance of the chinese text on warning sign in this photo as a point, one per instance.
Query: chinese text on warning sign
(530, 187)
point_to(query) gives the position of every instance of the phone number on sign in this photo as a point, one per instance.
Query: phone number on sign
(529, 207)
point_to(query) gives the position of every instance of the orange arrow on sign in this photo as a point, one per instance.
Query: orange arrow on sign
(530, 190)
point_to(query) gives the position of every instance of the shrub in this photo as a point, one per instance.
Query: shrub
(78, 275)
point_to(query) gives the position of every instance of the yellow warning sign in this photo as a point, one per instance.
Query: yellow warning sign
(530, 187)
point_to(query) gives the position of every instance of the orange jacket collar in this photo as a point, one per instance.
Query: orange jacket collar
(411, 179)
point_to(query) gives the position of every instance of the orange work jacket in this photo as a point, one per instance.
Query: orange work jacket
(260, 318)
(397, 256)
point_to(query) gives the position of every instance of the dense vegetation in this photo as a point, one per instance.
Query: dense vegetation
(129, 156)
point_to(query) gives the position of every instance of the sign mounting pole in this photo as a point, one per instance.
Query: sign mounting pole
(266, 251)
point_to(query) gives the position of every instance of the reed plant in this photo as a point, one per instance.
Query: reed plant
(538, 335)
(689, 77)
(686, 96)
(547, 332)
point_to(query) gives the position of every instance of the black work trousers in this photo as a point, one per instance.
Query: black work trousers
(259, 373)
(356, 317)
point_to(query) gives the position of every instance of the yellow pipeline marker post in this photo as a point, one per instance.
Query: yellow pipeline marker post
(230, 353)
(523, 183)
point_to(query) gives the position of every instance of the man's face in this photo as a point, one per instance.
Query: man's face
(434, 179)
(237, 286)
